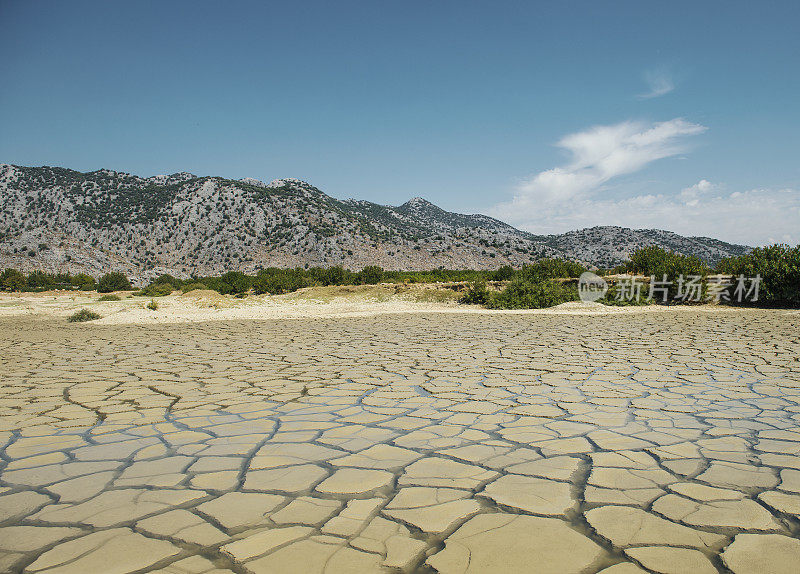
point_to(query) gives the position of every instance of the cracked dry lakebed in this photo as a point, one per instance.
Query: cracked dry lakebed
(453, 443)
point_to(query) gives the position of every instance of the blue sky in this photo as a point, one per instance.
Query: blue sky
(552, 116)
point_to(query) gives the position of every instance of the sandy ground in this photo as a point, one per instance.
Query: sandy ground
(574, 441)
(201, 306)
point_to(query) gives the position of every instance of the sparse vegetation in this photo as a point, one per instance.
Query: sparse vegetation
(371, 275)
(109, 297)
(83, 282)
(15, 280)
(157, 290)
(549, 269)
(504, 273)
(532, 293)
(230, 283)
(532, 287)
(544, 283)
(779, 269)
(12, 280)
(666, 269)
(192, 287)
(113, 281)
(658, 262)
(476, 294)
(279, 281)
(82, 316)
(152, 305)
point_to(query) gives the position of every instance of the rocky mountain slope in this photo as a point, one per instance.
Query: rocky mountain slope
(58, 219)
(607, 246)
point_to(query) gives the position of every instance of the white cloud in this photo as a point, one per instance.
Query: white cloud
(659, 83)
(754, 217)
(571, 196)
(691, 195)
(602, 153)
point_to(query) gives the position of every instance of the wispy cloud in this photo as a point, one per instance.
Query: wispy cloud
(603, 152)
(659, 82)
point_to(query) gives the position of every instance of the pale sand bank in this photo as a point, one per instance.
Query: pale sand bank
(321, 302)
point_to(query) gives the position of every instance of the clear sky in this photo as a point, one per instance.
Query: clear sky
(552, 116)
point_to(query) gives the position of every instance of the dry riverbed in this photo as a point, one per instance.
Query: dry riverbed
(396, 435)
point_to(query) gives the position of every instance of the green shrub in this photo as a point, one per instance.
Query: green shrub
(234, 282)
(113, 282)
(617, 298)
(504, 273)
(152, 305)
(212, 283)
(662, 265)
(83, 282)
(40, 281)
(162, 286)
(370, 275)
(192, 287)
(12, 280)
(109, 298)
(658, 262)
(228, 284)
(476, 294)
(550, 269)
(168, 280)
(274, 280)
(157, 290)
(82, 316)
(779, 269)
(278, 281)
(336, 276)
(536, 294)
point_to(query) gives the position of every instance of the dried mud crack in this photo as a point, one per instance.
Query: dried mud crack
(414, 443)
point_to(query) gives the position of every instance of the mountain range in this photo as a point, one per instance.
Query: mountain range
(57, 219)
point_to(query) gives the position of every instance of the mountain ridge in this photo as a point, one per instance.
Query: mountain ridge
(58, 219)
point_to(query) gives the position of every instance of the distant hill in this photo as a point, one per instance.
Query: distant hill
(607, 246)
(58, 219)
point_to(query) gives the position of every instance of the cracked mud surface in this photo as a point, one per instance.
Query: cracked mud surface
(418, 443)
